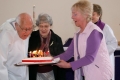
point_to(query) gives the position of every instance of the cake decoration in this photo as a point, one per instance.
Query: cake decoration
(39, 53)
(38, 56)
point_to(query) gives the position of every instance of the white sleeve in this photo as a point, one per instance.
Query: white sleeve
(110, 38)
(6, 25)
(4, 47)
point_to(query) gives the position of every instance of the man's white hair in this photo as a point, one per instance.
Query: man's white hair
(17, 20)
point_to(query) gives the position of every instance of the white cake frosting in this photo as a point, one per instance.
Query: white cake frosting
(37, 59)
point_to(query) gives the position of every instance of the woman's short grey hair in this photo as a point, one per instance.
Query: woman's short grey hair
(44, 18)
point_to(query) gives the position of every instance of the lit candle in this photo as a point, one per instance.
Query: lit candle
(30, 53)
(34, 53)
(41, 53)
(47, 53)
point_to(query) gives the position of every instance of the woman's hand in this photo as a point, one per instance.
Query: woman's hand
(63, 64)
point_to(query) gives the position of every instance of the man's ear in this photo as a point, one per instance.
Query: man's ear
(16, 24)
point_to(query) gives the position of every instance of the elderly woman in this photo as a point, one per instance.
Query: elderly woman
(88, 47)
(46, 40)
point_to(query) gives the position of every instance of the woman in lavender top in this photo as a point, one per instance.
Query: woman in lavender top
(110, 38)
(88, 47)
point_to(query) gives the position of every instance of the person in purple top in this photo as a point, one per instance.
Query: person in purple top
(110, 38)
(88, 47)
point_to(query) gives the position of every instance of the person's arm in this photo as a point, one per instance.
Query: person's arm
(4, 46)
(93, 43)
(68, 53)
(110, 38)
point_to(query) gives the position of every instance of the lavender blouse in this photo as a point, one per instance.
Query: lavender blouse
(91, 51)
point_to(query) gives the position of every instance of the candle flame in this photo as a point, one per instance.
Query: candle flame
(36, 53)
(30, 52)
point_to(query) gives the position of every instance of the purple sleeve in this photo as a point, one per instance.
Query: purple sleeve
(68, 53)
(93, 43)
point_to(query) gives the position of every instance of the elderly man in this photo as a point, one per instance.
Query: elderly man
(13, 48)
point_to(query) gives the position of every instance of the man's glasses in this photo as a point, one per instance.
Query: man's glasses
(30, 29)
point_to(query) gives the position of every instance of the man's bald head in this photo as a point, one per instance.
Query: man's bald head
(23, 18)
(24, 25)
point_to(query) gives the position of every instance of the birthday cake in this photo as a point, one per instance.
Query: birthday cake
(38, 59)
(38, 56)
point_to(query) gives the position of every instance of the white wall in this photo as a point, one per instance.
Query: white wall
(60, 10)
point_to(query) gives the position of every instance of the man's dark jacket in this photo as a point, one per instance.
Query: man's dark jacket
(55, 48)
